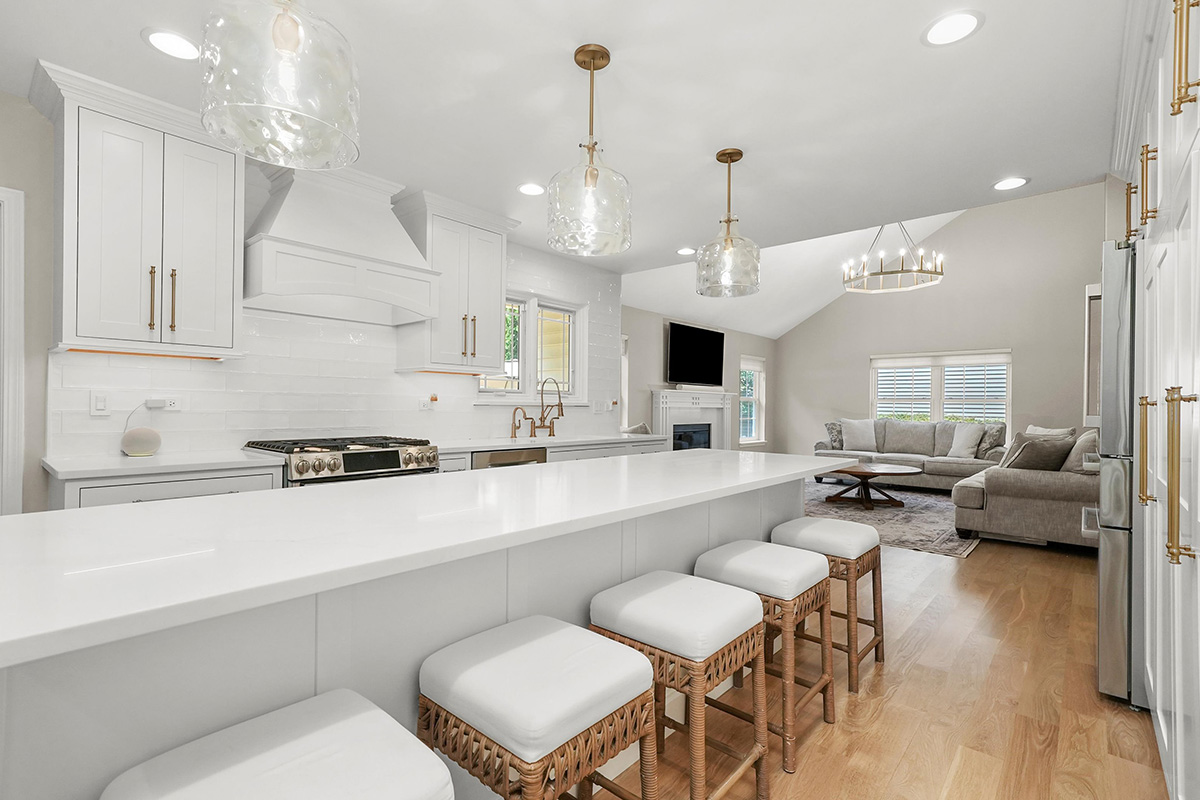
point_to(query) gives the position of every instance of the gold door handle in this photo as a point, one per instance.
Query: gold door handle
(1130, 231)
(1183, 86)
(464, 335)
(153, 271)
(1148, 154)
(1174, 397)
(474, 336)
(172, 300)
(1144, 496)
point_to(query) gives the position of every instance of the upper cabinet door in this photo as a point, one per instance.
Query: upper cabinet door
(449, 332)
(120, 229)
(198, 219)
(485, 299)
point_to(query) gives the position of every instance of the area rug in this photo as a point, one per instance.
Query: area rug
(926, 522)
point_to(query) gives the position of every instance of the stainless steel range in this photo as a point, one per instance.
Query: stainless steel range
(310, 461)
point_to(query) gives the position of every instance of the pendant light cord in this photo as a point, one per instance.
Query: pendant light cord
(592, 111)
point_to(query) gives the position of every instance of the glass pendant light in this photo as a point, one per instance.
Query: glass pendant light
(728, 265)
(279, 85)
(589, 202)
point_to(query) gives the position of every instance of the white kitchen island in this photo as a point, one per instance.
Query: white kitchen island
(127, 630)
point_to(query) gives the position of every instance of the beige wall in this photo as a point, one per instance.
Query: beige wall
(27, 163)
(1015, 278)
(646, 332)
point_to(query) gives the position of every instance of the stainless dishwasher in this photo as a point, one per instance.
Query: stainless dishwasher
(490, 459)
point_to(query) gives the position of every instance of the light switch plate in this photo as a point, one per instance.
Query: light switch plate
(98, 404)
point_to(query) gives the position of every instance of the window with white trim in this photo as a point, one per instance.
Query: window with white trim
(541, 340)
(973, 386)
(752, 400)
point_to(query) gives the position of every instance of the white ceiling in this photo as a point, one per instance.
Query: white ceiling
(797, 279)
(847, 119)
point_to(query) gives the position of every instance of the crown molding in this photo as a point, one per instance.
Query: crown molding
(416, 202)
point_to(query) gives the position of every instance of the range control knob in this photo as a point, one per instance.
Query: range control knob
(409, 458)
(318, 465)
(301, 466)
(335, 464)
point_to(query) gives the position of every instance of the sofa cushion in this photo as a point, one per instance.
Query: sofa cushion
(862, 455)
(1034, 430)
(993, 436)
(905, 436)
(1043, 485)
(859, 434)
(956, 467)
(1088, 442)
(881, 436)
(968, 493)
(834, 430)
(903, 459)
(966, 440)
(1032, 451)
(943, 437)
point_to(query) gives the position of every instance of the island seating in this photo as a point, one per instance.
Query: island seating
(792, 584)
(852, 549)
(536, 706)
(696, 633)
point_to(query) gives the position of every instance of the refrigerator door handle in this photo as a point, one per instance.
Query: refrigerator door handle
(1089, 524)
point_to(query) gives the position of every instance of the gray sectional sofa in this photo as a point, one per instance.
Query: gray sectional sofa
(921, 444)
(1025, 505)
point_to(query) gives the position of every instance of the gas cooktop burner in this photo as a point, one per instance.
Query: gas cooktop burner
(337, 444)
(350, 457)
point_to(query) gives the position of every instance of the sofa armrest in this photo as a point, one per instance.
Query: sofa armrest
(996, 454)
(821, 446)
(1042, 484)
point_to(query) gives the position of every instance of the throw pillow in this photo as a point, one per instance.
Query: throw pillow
(943, 438)
(1088, 442)
(858, 434)
(993, 437)
(1038, 452)
(966, 440)
(834, 430)
(1036, 431)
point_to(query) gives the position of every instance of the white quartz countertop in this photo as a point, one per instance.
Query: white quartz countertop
(116, 465)
(81, 577)
(542, 440)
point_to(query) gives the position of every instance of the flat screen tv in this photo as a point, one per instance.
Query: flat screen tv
(695, 355)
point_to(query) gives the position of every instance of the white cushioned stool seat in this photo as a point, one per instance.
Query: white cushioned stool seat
(336, 744)
(770, 569)
(535, 683)
(833, 537)
(681, 614)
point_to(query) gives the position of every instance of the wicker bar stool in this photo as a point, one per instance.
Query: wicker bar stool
(696, 633)
(853, 551)
(792, 584)
(337, 744)
(536, 706)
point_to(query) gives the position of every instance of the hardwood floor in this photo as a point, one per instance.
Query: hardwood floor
(988, 692)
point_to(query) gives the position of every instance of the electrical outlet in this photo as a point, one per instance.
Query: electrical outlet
(425, 404)
(98, 404)
(165, 403)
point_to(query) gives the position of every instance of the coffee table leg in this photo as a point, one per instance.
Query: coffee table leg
(864, 493)
(890, 500)
(833, 498)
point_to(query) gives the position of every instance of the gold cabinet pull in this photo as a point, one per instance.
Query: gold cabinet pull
(1148, 154)
(172, 300)
(1174, 397)
(464, 335)
(153, 272)
(1144, 496)
(1130, 231)
(474, 336)
(1183, 86)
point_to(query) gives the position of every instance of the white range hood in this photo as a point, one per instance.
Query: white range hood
(327, 244)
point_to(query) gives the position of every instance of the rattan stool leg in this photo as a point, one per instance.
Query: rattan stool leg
(827, 659)
(789, 689)
(660, 712)
(739, 679)
(877, 597)
(585, 789)
(649, 766)
(760, 723)
(531, 786)
(852, 623)
(698, 762)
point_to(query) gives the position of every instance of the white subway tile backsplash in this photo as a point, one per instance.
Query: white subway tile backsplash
(304, 375)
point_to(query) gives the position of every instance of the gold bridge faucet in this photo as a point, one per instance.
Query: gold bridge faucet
(557, 408)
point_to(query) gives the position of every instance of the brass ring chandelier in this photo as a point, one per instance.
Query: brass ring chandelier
(909, 268)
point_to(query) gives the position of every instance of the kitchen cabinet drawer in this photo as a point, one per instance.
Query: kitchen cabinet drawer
(453, 464)
(578, 453)
(114, 494)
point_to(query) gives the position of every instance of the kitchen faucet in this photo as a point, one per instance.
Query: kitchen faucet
(557, 408)
(516, 423)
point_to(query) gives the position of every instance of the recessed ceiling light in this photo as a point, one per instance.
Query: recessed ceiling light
(171, 43)
(952, 27)
(1010, 183)
(686, 251)
(531, 189)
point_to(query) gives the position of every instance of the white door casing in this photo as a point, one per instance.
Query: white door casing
(12, 348)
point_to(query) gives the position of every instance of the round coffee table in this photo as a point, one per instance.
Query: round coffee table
(863, 489)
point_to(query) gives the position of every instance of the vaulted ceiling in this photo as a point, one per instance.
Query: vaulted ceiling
(847, 119)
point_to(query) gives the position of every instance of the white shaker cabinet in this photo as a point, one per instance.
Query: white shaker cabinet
(468, 248)
(150, 220)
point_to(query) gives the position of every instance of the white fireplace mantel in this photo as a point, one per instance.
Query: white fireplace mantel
(673, 407)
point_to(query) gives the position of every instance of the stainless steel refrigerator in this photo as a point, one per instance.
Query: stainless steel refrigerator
(1120, 658)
